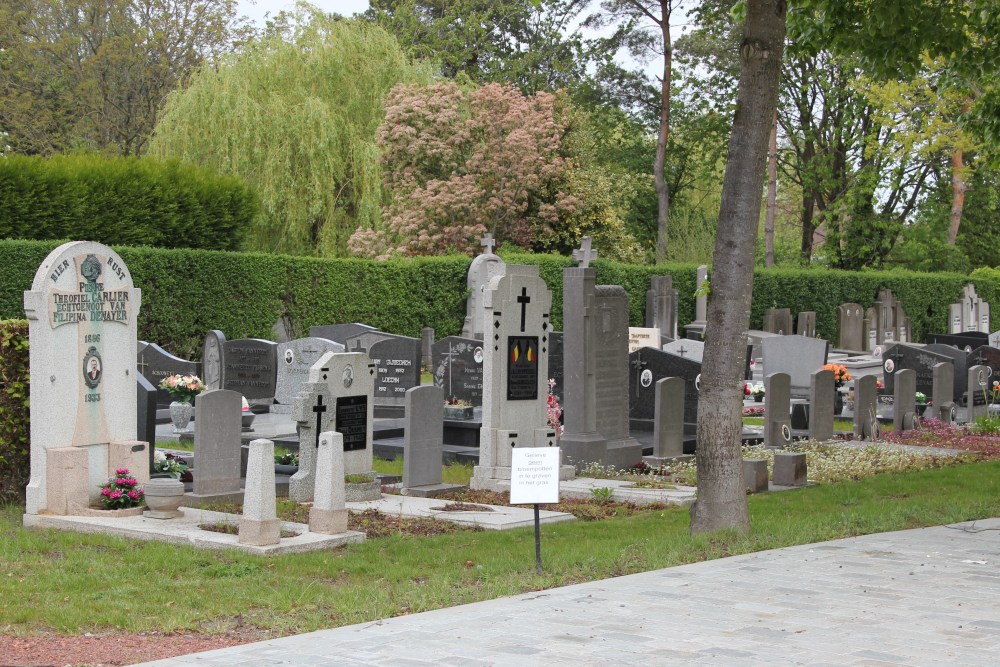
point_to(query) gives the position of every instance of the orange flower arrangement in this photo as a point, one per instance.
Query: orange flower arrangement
(840, 373)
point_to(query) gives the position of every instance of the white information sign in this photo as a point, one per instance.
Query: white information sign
(639, 337)
(534, 475)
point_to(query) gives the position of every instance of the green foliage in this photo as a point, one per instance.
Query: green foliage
(14, 412)
(979, 235)
(294, 115)
(122, 201)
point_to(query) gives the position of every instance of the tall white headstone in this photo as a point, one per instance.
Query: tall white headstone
(82, 310)
(515, 370)
(483, 269)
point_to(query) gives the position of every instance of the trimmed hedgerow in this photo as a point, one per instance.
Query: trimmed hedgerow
(187, 292)
(14, 412)
(122, 201)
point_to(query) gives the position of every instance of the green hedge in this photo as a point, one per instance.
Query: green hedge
(14, 413)
(188, 292)
(122, 200)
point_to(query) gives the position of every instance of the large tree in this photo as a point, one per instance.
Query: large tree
(94, 74)
(295, 116)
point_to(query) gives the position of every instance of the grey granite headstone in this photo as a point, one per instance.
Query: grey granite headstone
(870, 330)
(661, 305)
(689, 349)
(295, 358)
(755, 339)
(798, 356)
(777, 410)
(312, 411)
(339, 333)
(696, 330)
(778, 321)
(426, 347)
(154, 363)
(211, 359)
(960, 361)
(397, 365)
(789, 469)
(458, 368)
(822, 393)
(885, 317)
(422, 448)
(866, 425)
(482, 270)
(145, 414)
(850, 327)
(755, 475)
(943, 388)
(217, 443)
(805, 324)
(904, 402)
(979, 386)
(250, 367)
(995, 339)
(515, 373)
(668, 420)
(969, 314)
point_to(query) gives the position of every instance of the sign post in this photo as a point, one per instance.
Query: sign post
(534, 479)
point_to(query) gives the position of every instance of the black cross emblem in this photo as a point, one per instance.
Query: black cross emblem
(524, 300)
(319, 409)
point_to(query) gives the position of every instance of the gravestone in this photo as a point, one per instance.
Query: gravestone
(295, 358)
(340, 333)
(482, 270)
(595, 360)
(850, 327)
(515, 372)
(217, 446)
(82, 310)
(422, 443)
(987, 355)
(778, 321)
(967, 341)
(328, 515)
(145, 414)
(903, 333)
(556, 362)
(870, 330)
(822, 393)
(661, 305)
(979, 385)
(426, 347)
(890, 320)
(696, 330)
(969, 314)
(250, 367)
(866, 424)
(755, 338)
(777, 410)
(458, 368)
(211, 359)
(646, 367)
(689, 349)
(904, 402)
(798, 356)
(805, 324)
(789, 469)
(994, 339)
(902, 356)
(668, 421)
(154, 363)
(259, 525)
(643, 337)
(943, 388)
(960, 362)
(397, 367)
(337, 397)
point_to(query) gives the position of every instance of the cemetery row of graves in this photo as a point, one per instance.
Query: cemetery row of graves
(606, 394)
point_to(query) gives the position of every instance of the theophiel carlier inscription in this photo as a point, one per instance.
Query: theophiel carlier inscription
(91, 302)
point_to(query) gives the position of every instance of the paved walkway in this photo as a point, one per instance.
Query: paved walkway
(917, 597)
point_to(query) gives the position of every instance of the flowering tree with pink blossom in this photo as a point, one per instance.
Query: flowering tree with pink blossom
(458, 164)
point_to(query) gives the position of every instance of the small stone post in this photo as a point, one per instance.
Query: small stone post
(329, 513)
(260, 525)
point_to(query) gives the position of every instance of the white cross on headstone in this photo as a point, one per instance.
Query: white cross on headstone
(488, 243)
(584, 254)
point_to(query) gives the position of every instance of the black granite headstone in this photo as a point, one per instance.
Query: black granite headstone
(901, 355)
(154, 363)
(648, 365)
(986, 356)
(145, 414)
(250, 367)
(458, 368)
(555, 343)
(397, 360)
(967, 341)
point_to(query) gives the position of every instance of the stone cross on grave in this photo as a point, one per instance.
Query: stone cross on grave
(488, 243)
(524, 300)
(584, 254)
(319, 409)
(681, 351)
(358, 347)
(141, 365)
(450, 356)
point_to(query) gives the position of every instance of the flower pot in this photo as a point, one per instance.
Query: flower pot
(180, 415)
(362, 492)
(163, 497)
(758, 399)
(921, 407)
(461, 412)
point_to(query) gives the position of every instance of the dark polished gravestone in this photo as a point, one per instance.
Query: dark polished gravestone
(967, 341)
(987, 355)
(901, 356)
(397, 360)
(339, 333)
(458, 368)
(154, 363)
(960, 362)
(647, 366)
(250, 367)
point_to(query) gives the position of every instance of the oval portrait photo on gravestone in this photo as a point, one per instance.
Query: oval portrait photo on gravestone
(93, 368)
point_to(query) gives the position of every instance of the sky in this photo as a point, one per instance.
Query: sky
(256, 10)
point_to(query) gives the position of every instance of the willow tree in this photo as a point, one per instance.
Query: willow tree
(294, 115)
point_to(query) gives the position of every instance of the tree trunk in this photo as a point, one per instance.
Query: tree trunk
(772, 192)
(662, 192)
(722, 499)
(958, 188)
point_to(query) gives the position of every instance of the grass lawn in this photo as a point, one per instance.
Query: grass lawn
(73, 583)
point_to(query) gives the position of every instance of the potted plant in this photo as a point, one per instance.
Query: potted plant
(168, 465)
(456, 408)
(183, 389)
(361, 487)
(921, 399)
(841, 376)
(757, 392)
(122, 492)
